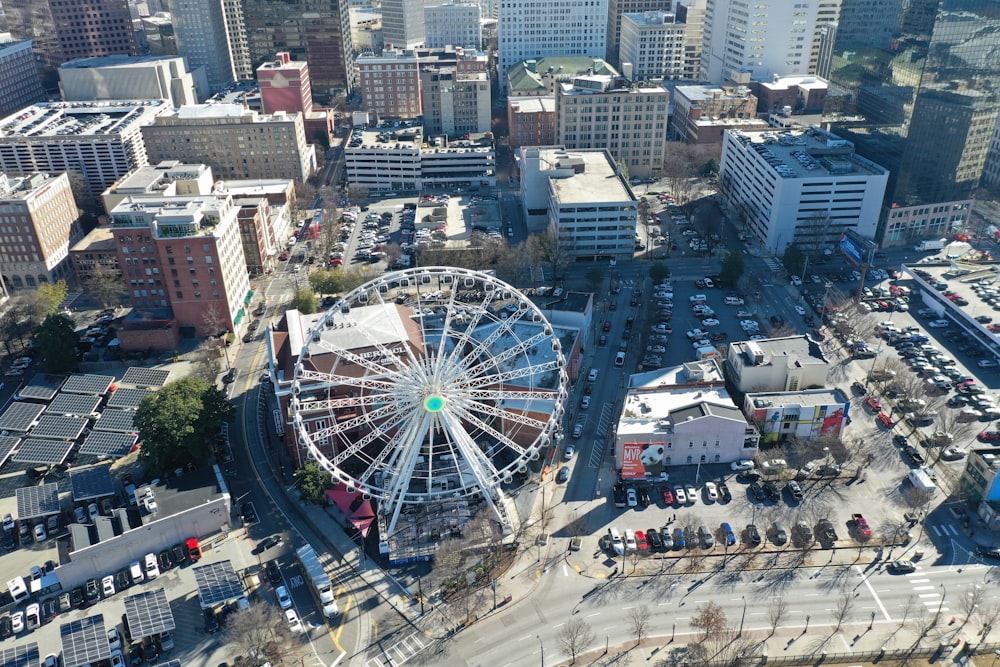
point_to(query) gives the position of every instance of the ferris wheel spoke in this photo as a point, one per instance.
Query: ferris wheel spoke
(446, 328)
(514, 374)
(408, 455)
(509, 395)
(353, 448)
(504, 415)
(482, 468)
(318, 380)
(501, 438)
(486, 344)
(325, 405)
(360, 420)
(509, 353)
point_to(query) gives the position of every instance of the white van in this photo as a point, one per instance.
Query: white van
(620, 359)
(616, 541)
(592, 376)
(18, 589)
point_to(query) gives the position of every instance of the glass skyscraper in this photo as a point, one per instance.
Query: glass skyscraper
(922, 77)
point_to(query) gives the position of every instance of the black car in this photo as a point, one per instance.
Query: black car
(825, 531)
(643, 496)
(49, 610)
(747, 476)
(122, 579)
(76, 597)
(230, 376)
(211, 622)
(900, 440)
(165, 560)
(267, 543)
(989, 552)
(248, 513)
(9, 543)
(179, 552)
(6, 626)
(772, 492)
(654, 540)
(753, 535)
(273, 573)
(914, 455)
(724, 493)
(92, 592)
(757, 490)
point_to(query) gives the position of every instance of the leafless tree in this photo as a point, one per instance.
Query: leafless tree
(843, 608)
(710, 621)
(257, 631)
(912, 603)
(576, 635)
(357, 192)
(639, 621)
(776, 613)
(106, 285)
(635, 557)
(990, 614)
(549, 250)
(972, 602)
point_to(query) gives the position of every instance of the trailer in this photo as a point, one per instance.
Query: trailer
(320, 583)
(930, 244)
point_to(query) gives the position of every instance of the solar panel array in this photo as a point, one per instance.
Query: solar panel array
(36, 501)
(42, 386)
(116, 420)
(92, 385)
(148, 614)
(20, 656)
(62, 428)
(84, 641)
(19, 416)
(93, 482)
(39, 450)
(106, 443)
(7, 445)
(217, 583)
(145, 377)
(127, 398)
(73, 404)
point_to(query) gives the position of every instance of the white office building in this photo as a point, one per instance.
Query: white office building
(653, 43)
(804, 186)
(403, 23)
(453, 25)
(213, 34)
(122, 77)
(531, 30)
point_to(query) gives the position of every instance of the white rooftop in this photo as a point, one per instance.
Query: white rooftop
(596, 178)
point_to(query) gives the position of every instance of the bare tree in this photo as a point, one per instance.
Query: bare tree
(106, 285)
(635, 557)
(710, 621)
(843, 608)
(639, 620)
(990, 615)
(206, 361)
(972, 602)
(776, 613)
(357, 193)
(549, 250)
(576, 635)
(256, 631)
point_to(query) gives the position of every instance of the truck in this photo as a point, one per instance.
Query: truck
(930, 244)
(921, 480)
(320, 584)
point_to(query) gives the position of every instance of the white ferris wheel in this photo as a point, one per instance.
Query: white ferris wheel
(429, 384)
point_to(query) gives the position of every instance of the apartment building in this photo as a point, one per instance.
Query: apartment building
(39, 222)
(95, 253)
(453, 24)
(531, 121)
(628, 119)
(616, 10)
(804, 187)
(168, 178)
(653, 44)
(529, 29)
(390, 83)
(583, 194)
(213, 34)
(234, 141)
(702, 113)
(692, 14)
(122, 77)
(286, 86)
(455, 104)
(20, 81)
(101, 140)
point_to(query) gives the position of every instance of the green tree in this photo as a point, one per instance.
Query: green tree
(47, 299)
(56, 338)
(312, 481)
(327, 281)
(711, 168)
(659, 272)
(732, 267)
(304, 301)
(794, 259)
(178, 423)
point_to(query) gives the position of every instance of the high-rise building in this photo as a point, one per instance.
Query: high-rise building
(390, 83)
(617, 9)
(285, 86)
(744, 43)
(532, 30)
(922, 80)
(20, 83)
(692, 14)
(212, 34)
(455, 103)
(403, 23)
(123, 77)
(315, 31)
(40, 222)
(453, 25)
(653, 44)
(62, 30)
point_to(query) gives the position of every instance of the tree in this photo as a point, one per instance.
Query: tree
(548, 249)
(843, 608)
(711, 168)
(576, 635)
(794, 259)
(595, 275)
(56, 338)
(776, 613)
(47, 298)
(732, 267)
(206, 360)
(659, 272)
(106, 286)
(639, 621)
(256, 631)
(357, 192)
(304, 301)
(971, 603)
(312, 481)
(178, 423)
(710, 621)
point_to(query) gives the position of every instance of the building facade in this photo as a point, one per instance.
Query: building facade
(453, 25)
(390, 84)
(792, 363)
(616, 10)
(803, 415)
(531, 121)
(131, 78)
(653, 43)
(20, 82)
(791, 95)
(531, 30)
(234, 141)
(403, 23)
(213, 34)
(285, 86)
(629, 120)
(455, 104)
(95, 254)
(799, 187)
(692, 14)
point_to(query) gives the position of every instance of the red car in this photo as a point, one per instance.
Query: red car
(884, 420)
(862, 525)
(989, 436)
(668, 497)
(873, 403)
(640, 540)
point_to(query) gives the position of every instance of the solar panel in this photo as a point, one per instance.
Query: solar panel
(7, 445)
(93, 385)
(39, 450)
(148, 614)
(217, 583)
(73, 404)
(116, 420)
(128, 398)
(20, 416)
(92, 482)
(106, 443)
(84, 641)
(145, 377)
(62, 428)
(42, 386)
(36, 501)
(20, 656)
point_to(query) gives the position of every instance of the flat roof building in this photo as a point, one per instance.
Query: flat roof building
(168, 178)
(652, 43)
(805, 415)
(455, 103)
(790, 363)
(96, 253)
(531, 121)
(20, 80)
(123, 77)
(452, 24)
(702, 113)
(529, 29)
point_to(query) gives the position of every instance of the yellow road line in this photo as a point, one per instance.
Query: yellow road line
(343, 619)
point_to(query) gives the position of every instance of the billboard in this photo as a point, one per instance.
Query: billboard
(642, 459)
(852, 249)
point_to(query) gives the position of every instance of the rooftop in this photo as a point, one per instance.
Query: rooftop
(799, 349)
(650, 410)
(546, 104)
(145, 178)
(116, 60)
(22, 187)
(692, 372)
(810, 153)
(801, 82)
(595, 176)
(99, 238)
(653, 18)
(810, 397)
(707, 92)
(54, 119)
(180, 216)
(193, 113)
(597, 84)
(410, 136)
(528, 75)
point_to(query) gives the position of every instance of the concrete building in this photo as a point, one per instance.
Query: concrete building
(791, 363)
(680, 416)
(530, 29)
(101, 140)
(454, 24)
(159, 32)
(285, 86)
(702, 113)
(791, 95)
(122, 77)
(653, 43)
(742, 45)
(455, 104)
(980, 484)
(39, 222)
(803, 415)
(616, 10)
(390, 84)
(20, 81)
(635, 135)
(403, 23)
(531, 121)
(213, 34)
(94, 254)
(184, 254)
(539, 77)
(234, 141)
(804, 187)
(62, 30)
(692, 14)
(583, 195)
(168, 178)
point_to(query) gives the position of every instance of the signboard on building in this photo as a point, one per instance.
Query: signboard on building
(642, 459)
(852, 250)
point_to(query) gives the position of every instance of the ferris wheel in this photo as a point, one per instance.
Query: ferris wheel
(429, 384)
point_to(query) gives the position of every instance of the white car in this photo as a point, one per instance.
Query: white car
(40, 534)
(800, 310)
(135, 571)
(757, 337)
(294, 624)
(114, 639)
(692, 494)
(937, 324)
(152, 569)
(658, 349)
(569, 452)
(711, 491)
(744, 313)
(630, 498)
(17, 622)
(284, 599)
(108, 586)
(117, 659)
(710, 322)
(738, 466)
(795, 280)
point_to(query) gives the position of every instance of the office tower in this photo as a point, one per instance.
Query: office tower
(532, 30)
(617, 9)
(653, 44)
(923, 82)
(212, 34)
(128, 78)
(692, 14)
(454, 103)
(453, 25)
(61, 30)
(315, 31)
(20, 83)
(403, 23)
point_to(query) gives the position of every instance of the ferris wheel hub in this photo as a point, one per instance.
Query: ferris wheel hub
(434, 403)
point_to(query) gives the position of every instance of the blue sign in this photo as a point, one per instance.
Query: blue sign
(852, 249)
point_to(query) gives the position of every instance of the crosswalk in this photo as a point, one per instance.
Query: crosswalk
(774, 264)
(400, 652)
(943, 531)
(928, 594)
(597, 449)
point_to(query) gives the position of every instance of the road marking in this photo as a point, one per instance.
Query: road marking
(937, 533)
(565, 570)
(627, 608)
(929, 595)
(919, 581)
(559, 625)
(923, 588)
(868, 585)
(596, 613)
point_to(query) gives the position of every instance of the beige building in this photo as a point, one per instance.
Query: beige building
(792, 363)
(166, 179)
(455, 103)
(652, 44)
(122, 77)
(96, 252)
(701, 114)
(390, 83)
(234, 141)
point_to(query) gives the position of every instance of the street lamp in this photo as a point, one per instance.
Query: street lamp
(744, 616)
(542, 648)
(944, 592)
